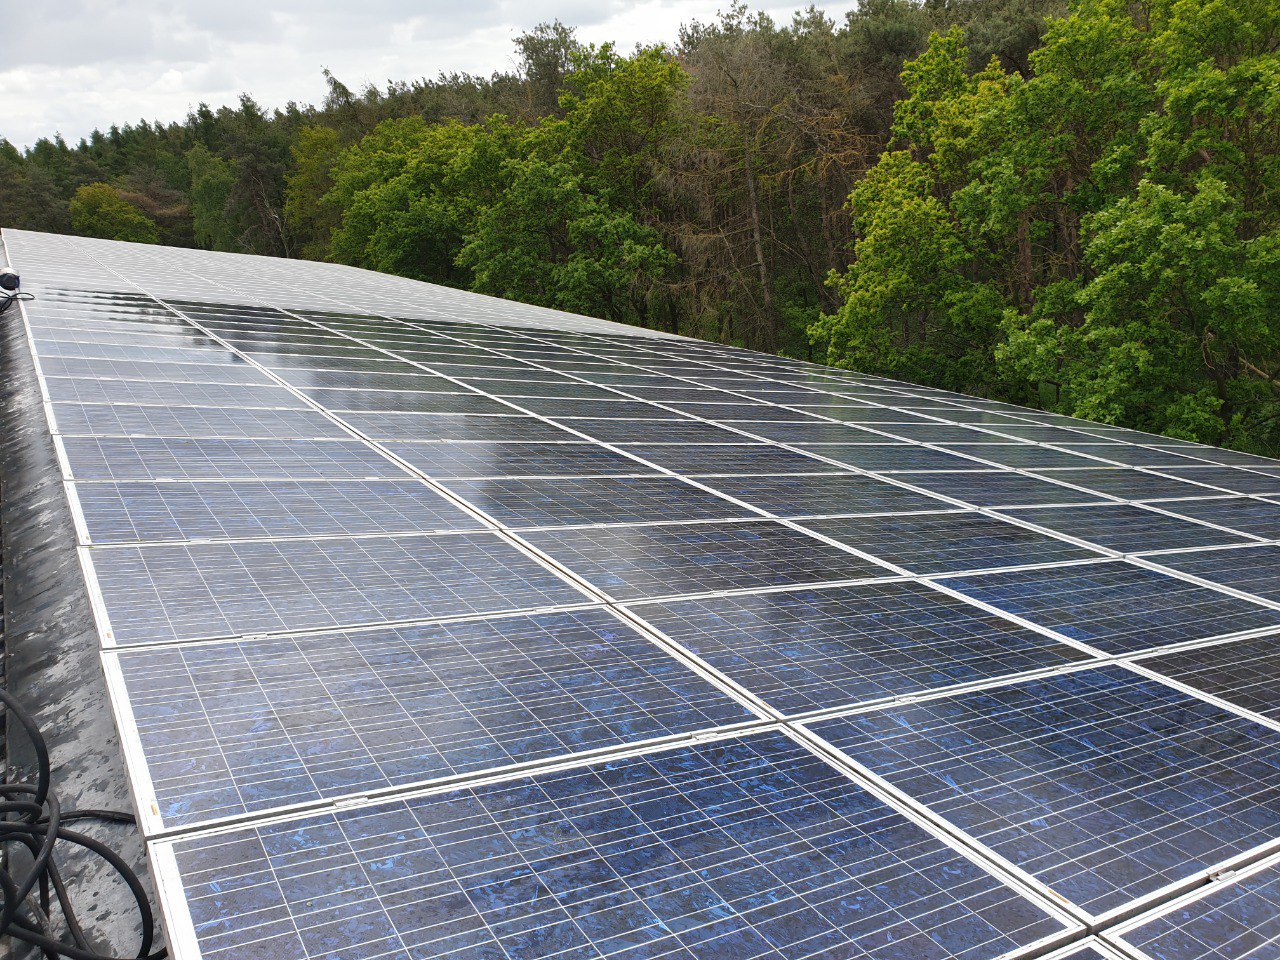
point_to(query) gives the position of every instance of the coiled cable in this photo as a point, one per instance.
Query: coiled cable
(30, 816)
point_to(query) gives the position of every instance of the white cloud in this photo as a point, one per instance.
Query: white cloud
(70, 66)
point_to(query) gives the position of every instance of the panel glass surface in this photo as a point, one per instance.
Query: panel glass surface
(630, 563)
(1239, 921)
(230, 728)
(478, 459)
(521, 503)
(807, 496)
(1244, 672)
(802, 650)
(1252, 570)
(748, 848)
(120, 420)
(143, 458)
(1103, 784)
(996, 488)
(141, 512)
(232, 589)
(1117, 607)
(1260, 518)
(948, 542)
(1127, 529)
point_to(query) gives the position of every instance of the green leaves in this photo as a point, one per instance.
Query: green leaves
(99, 210)
(1116, 213)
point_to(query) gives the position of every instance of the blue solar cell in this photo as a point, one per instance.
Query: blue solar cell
(1230, 479)
(1127, 484)
(594, 500)
(1238, 921)
(454, 426)
(470, 459)
(743, 411)
(404, 401)
(725, 460)
(230, 728)
(948, 542)
(807, 496)
(1245, 672)
(1258, 517)
(1103, 784)
(1253, 570)
(137, 369)
(813, 649)
(1117, 607)
(1134, 456)
(156, 458)
(749, 848)
(164, 592)
(813, 432)
(651, 431)
(996, 488)
(630, 563)
(1028, 456)
(166, 393)
(134, 512)
(127, 420)
(889, 457)
(1126, 528)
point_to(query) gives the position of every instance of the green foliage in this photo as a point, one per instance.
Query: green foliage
(211, 186)
(310, 221)
(98, 210)
(1109, 222)
(550, 241)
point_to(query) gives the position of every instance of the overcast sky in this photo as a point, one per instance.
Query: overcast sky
(68, 66)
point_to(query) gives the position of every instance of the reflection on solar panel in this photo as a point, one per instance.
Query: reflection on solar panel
(1238, 920)
(740, 848)
(1105, 785)
(444, 627)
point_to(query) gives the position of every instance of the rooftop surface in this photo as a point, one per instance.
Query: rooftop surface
(437, 626)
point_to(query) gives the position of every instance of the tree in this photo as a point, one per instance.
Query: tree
(550, 241)
(211, 186)
(309, 219)
(98, 210)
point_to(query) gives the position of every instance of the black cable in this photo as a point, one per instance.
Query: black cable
(8, 299)
(31, 816)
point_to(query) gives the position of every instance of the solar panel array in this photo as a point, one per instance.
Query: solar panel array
(439, 626)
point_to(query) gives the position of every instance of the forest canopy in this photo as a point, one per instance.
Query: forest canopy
(1074, 207)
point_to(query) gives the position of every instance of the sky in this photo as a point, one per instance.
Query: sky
(69, 66)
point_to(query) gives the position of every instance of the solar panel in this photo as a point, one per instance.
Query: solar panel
(1238, 919)
(1127, 529)
(445, 627)
(123, 458)
(242, 510)
(804, 650)
(750, 848)
(1117, 607)
(538, 502)
(940, 543)
(470, 459)
(184, 592)
(1105, 785)
(1251, 570)
(630, 563)
(230, 728)
(1258, 518)
(1246, 673)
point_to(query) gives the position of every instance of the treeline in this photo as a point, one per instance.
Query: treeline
(1070, 208)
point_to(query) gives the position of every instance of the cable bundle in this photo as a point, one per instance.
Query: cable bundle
(8, 299)
(30, 815)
